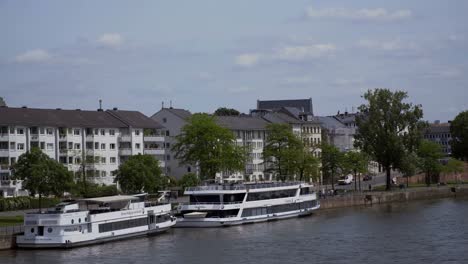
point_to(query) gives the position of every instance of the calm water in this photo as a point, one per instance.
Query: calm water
(418, 232)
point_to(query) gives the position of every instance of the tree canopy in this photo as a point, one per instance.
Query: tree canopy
(188, 180)
(282, 150)
(429, 154)
(210, 146)
(223, 111)
(140, 173)
(388, 128)
(332, 162)
(356, 163)
(41, 174)
(459, 131)
(2, 102)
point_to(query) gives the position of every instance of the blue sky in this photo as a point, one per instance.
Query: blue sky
(207, 54)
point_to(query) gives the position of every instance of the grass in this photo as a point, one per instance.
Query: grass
(11, 220)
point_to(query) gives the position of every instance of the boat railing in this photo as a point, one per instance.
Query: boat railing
(234, 187)
(208, 203)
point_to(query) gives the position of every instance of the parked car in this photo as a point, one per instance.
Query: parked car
(348, 179)
(367, 178)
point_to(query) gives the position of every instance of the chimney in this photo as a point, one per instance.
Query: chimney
(100, 104)
(115, 109)
(24, 106)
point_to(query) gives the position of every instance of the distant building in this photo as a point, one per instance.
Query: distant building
(2, 102)
(337, 133)
(173, 119)
(76, 137)
(440, 133)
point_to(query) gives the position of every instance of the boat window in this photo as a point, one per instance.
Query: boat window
(233, 198)
(72, 221)
(222, 213)
(306, 190)
(107, 227)
(32, 230)
(49, 230)
(79, 220)
(271, 195)
(278, 208)
(204, 199)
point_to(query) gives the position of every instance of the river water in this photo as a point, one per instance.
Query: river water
(418, 232)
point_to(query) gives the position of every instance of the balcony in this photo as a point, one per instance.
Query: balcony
(9, 183)
(4, 152)
(153, 138)
(62, 137)
(4, 137)
(125, 138)
(154, 151)
(90, 137)
(125, 152)
(34, 137)
(4, 167)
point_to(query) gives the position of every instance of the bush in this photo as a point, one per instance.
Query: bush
(25, 202)
(93, 190)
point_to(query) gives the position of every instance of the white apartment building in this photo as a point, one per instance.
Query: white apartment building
(93, 143)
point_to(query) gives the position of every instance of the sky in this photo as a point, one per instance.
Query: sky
(206, 54)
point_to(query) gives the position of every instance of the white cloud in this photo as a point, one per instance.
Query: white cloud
(389, 45)
(241, 89)
(304, 52)
(378, 14)
(247, 60)
(37, 55)
(112, 40)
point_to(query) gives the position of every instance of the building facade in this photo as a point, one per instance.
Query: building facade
(440, 133)
(90, 143)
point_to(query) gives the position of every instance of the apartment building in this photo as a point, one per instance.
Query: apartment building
(440, 133)
(173, 119)
(91, 142)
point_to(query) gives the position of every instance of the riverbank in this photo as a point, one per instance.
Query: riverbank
(405, 195)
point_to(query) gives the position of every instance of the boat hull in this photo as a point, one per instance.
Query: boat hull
(232, 221)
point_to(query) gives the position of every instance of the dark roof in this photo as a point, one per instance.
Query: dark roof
(438, 128)
(134, 119)
(243, 122)
(347, 117)
(278, 117)
(182, 113)
(304, 105)
(330, 122)
(71, 118)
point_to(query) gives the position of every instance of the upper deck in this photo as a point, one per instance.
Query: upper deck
(242, 188)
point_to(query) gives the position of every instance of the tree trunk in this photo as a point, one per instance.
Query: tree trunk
(333, 182)
(428, 179)
(40, 203)
(359, 182)
(355, 181)
(389, 175)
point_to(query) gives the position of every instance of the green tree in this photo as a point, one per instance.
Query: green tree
(459, 131)
(140, 173)
(2, 102)
(42, 175)
(223, 111)
(454, 166)
(189, 180)
(409, 166)
(210, 146)
(307, 165)
(332, 162)
(283, 150)
(429, 154)
(356, 163)
(387, 128)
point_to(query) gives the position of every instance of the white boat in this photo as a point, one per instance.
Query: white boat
(234, 204)
(94, 220)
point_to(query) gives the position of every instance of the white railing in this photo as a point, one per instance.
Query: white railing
(233, 187)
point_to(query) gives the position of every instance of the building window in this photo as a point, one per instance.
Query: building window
(70, 160)
(103, 132)
(50, 146)
(137, 132)
(103, 173)
(20, 146)
(168, 157)
(76, 132)
(49, 131)
(168, 145)
(164, 120)
(70, 145)
(167, 133)
(41, 131)
(77, 146)
(78, 160)
(12, 130)
(112, 146)
(103, 160)
(12, 145)
(103, 145)
(189, 169)
(112, 132)
(20, 131)
(96, 132)
(96, 145)
(112, 160)
(137, 145)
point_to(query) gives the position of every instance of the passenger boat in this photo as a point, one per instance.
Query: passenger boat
(234, 204)
(94, 220)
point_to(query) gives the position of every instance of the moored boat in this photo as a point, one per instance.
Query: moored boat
(234, 204)
(94, 220)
